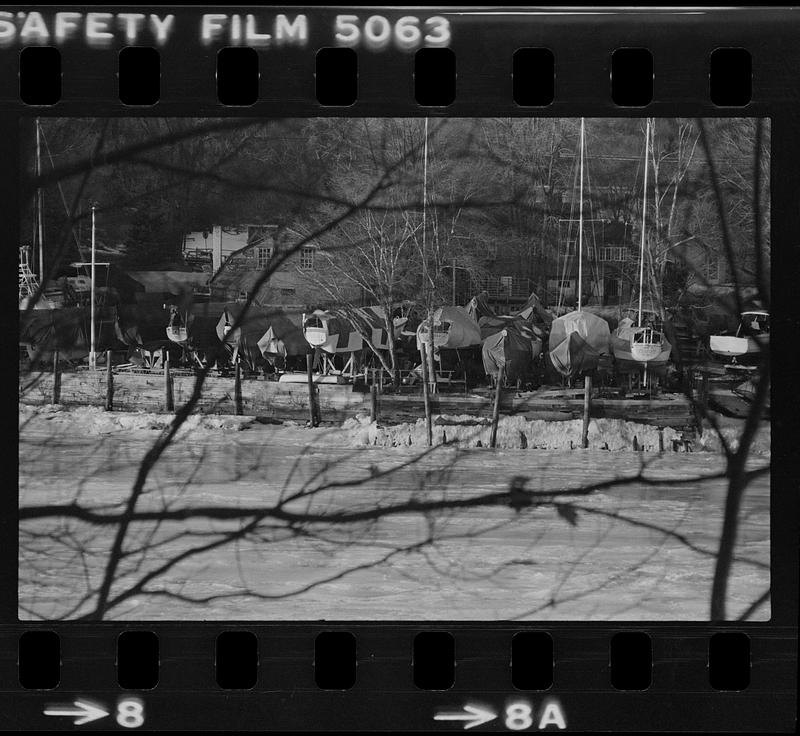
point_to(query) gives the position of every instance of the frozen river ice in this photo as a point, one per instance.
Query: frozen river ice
(330, 531)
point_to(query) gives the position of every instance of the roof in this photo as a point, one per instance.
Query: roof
(172, 282)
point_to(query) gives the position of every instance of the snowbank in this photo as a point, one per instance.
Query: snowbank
(731, 429)
(92, 420)
(513, 432)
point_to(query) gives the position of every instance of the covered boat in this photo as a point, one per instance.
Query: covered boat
(348, 330)
(453, 327)
(264, 334)
(42, 331)
(67, 329)
(510, 343)
(142, 325)
(578, 341)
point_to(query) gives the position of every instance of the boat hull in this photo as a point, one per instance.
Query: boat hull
(627, 360)
(730, 346)
(178, 334)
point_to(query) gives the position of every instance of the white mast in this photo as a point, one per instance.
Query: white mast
(426, 290)
(644, 219)
(92, 357)
(424, 194)
(580, 227)
(39, 221)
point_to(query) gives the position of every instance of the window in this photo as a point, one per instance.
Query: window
(506, 281)
(613, 288)
(712, 269)
(263, 254)
(614, 253)
(287, 292)
(307, 259)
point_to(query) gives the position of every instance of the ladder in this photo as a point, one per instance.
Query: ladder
(28, 282)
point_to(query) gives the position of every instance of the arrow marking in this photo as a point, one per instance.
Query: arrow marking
(475, 716)
(82, 711)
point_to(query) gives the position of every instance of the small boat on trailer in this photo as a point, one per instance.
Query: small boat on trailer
(748, 342)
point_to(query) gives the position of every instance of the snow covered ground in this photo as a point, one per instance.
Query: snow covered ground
(456, 532)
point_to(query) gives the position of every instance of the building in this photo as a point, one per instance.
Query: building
(237, 255)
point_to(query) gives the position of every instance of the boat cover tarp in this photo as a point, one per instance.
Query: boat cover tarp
(533, 310)
(513, 346)
(452, 328)
(263, 334)
(67, 330)
(478, 307)
(346, 329)
(577, 340)
(142, 325)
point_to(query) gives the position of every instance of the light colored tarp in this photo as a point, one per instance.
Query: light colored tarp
(452, 328)
(577, 341)
(348, 330)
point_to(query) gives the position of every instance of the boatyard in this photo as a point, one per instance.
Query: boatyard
(302, 387)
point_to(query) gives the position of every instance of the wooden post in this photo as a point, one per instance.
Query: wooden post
(373, 391)
(426, 394)
(170, 402)
(587, 410)
(312, 414)
(237, 388)
(56, 377)
(109, 383)
(496, 409)
(661, 439)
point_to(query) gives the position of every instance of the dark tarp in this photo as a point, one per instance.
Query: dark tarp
(264, 334)
(67, 330)
(143, 325)
(514, 347)
(577, 342)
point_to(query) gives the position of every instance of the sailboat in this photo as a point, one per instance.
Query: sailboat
(579, 339)
(641, 346)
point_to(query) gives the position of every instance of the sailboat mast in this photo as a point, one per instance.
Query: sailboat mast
(644, 218)
(580, 226)
(427, 291)
(424, 202)
(39, 221)
(92, 356)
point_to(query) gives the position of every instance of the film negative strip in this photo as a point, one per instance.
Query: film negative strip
(401, 368)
